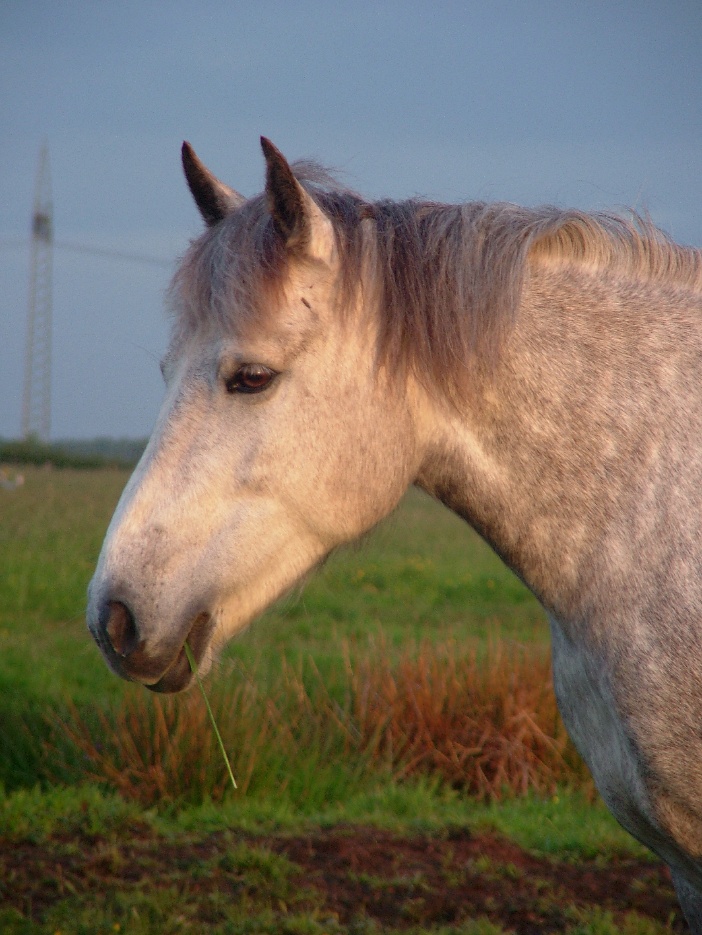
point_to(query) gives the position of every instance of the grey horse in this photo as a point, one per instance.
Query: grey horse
(538, 371)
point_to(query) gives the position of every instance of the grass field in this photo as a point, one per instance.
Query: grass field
(115, 816)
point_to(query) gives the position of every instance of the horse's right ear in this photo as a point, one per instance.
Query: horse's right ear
(214, 199)
(302, 225)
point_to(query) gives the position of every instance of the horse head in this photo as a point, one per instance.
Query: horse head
(283, 433)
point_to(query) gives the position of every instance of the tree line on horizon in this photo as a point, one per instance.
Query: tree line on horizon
(76, 453)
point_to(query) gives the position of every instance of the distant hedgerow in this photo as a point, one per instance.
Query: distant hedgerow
(86, 454)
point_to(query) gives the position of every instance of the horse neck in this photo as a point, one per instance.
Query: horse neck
(564, 457)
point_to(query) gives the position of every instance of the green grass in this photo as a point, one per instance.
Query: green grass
(565, 826)
(423, 577)
(225, 869)
(573, 826)
(51, 530)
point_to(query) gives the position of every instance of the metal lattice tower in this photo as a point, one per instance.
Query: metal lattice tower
(36, 401)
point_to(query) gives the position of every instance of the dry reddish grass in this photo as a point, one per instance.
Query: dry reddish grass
(487, 725)
(162, 748)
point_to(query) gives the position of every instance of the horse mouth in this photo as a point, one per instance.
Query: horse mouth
(179, 675)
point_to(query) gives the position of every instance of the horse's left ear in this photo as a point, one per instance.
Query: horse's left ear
(214, 199)
(297, 218)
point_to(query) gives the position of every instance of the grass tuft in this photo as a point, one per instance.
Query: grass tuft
(487, 725)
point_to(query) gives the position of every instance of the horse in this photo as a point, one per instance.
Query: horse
(536, 370)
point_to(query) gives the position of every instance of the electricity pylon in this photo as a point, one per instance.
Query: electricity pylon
(36, 401)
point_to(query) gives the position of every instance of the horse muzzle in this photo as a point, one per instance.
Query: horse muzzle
(162, 666)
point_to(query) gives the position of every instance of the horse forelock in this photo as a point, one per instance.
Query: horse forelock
(229, 271)
(445, 280)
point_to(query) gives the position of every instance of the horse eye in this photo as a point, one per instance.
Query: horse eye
(250, 378)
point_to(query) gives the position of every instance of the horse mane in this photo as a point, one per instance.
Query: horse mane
(446, 278)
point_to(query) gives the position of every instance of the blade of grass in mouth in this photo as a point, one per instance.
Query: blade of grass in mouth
(193, 666)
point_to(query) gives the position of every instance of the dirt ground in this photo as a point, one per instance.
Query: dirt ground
(350, 874)
(434, 880)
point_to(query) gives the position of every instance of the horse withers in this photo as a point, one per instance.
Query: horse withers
(536, 370)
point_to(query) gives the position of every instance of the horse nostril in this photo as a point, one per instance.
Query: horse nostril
(121, 629)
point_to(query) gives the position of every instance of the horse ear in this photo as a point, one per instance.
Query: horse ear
(214, 199)
(297, 218)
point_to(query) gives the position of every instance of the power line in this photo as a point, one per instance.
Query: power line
(114, 254)
(107, 252)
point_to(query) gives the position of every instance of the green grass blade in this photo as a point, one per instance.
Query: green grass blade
(193, 666)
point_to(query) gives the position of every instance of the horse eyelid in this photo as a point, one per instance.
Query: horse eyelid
(233, 385)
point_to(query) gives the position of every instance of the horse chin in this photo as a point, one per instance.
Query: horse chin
(179, 675)
(176, 679)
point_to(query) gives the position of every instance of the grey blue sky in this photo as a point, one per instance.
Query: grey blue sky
(589, 104)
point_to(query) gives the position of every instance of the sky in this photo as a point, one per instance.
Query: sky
(590, 105)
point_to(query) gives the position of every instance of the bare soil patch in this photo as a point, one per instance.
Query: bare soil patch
(432, 881)
(345, 874)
